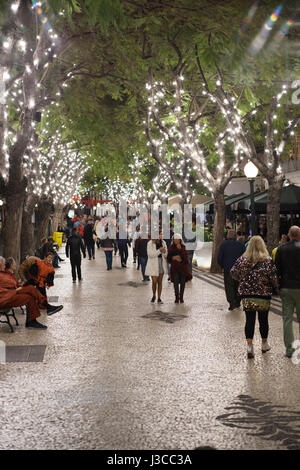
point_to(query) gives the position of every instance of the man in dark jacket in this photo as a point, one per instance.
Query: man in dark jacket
(89, 238)
(73, 247)
(230, 250)
(288, 267)
(123, 244)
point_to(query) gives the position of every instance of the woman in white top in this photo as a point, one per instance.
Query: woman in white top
(157, 265)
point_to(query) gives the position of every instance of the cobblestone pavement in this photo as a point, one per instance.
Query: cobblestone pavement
(121, 373)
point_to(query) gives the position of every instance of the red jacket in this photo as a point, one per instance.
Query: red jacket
(14, 277)
(45, 274)
(183, 267)
(8, 287)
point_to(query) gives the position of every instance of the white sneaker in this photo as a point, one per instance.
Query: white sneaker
(265, 347)
(250, 352)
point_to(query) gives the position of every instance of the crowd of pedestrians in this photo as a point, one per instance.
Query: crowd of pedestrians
(155, 258)
(252, 276)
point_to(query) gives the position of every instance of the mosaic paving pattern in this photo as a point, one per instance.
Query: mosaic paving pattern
(265, 420)
(168, 317)
(131, 284)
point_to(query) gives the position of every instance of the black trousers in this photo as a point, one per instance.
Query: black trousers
(250, 323)
(90, 245)
(123, 251)
(76, 266)
(231, 290)
(43, 291)
(179, 280)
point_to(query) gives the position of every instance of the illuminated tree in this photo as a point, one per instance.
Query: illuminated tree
(176, 120)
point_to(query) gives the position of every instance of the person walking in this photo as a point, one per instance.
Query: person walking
(284, 239)
(108, 244)
(141, 251)
(287, 262)
(123, 244)
(190, 245)
(156, 265)
(136, 236)
(168, 241)
(230, 250)
(89, 238)
(180, 271)
(74, 247)
(257, 278)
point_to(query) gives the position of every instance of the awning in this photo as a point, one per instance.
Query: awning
(289, 201)
(196, 199)
(229, 200)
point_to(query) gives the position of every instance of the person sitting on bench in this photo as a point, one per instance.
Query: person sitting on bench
(39, 273)
(13, 296)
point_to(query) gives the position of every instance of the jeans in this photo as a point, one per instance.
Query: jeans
(231, 290)
(76, 266)
(109, 257)
(250, 323)
(290, 301)
(90, 245)
(123, 251)
(143, 263)
(179, 279)
(191, 255)
(55, 260)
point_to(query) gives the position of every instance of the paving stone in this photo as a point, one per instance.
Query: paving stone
(34, 353)
(116, 375)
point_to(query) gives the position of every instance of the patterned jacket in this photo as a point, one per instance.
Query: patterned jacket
(255, 280)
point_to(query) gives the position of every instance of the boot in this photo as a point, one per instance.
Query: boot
(176, 299)
(35, 324)
(181, 299)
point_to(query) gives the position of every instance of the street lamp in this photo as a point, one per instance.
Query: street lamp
(251, 171)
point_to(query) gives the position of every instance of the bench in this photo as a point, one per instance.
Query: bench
(8, 313)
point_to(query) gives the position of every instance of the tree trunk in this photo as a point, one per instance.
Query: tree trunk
(57, 217)
(43, 214)
(273, 213)
(27, 235)
(218, 231)
(13, 221)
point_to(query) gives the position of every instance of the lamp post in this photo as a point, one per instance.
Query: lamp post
(251, 171)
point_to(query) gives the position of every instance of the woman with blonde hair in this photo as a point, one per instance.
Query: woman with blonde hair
(257, 278)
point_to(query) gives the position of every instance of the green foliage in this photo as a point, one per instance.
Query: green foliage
(113, 43)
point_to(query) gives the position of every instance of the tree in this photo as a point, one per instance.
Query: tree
(185, 133)
(25, 58)
(278, 126)
(54, 175)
